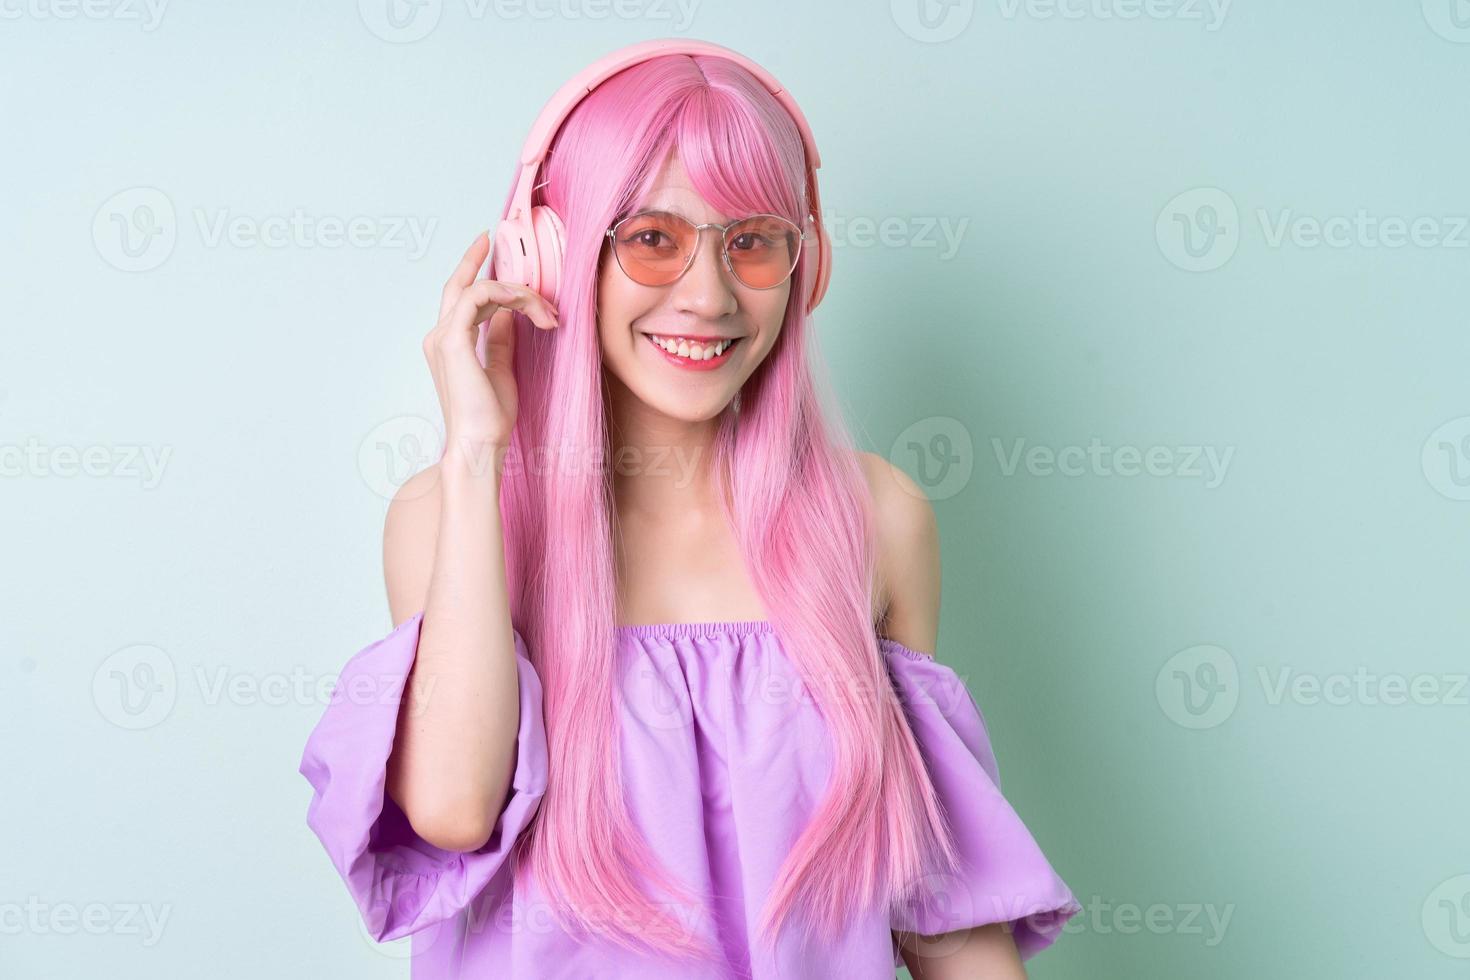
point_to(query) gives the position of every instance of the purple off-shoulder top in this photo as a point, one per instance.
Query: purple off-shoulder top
(724, 760)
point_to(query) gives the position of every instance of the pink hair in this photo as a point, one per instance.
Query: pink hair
(792, 490)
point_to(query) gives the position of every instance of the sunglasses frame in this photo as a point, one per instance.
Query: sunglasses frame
(802, 237)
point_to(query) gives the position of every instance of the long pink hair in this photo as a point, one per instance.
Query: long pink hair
(792, 491)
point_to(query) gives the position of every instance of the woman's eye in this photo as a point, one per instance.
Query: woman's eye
(749, 242)
(647, 237)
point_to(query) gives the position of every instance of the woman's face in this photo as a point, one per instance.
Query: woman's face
(706, 302)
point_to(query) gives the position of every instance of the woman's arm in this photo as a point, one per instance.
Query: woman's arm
(982, 953)
(443, 553)
(908, 563)
(454, 752)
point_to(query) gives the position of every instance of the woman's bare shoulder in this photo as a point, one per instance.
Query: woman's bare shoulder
(410, 531)
(906, 547)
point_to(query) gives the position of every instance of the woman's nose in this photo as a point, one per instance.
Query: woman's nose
(707, 287)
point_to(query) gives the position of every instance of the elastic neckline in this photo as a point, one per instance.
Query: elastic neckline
(739, 627)
(729, 627)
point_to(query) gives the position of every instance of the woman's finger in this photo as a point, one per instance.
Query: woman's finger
(464, 273)
(478, 301)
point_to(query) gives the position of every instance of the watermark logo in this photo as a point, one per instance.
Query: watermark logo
(932, 21)
(135, 229)
(1446, 917)
(1450, 19)
(937, 453)
(932, 922)
(1199, 230)
(400, 21)
(1198, 687)
(136, 687)
(650, 694)
(394, 451)
(1445, 459)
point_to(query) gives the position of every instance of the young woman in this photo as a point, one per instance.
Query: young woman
(665, 710)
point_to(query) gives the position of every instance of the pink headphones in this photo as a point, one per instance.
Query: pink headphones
(529, 242)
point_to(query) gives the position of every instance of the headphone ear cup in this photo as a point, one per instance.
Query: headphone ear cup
(509, 256)
(823, 271)
(551, 243)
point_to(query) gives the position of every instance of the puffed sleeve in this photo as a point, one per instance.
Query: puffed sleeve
(1002, 875)
(400, 882)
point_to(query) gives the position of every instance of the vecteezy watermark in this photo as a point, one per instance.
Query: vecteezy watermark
(401, 447)
(936, 21)
(1362, 686)
(533, 915)
(120, 462)
(1450, 19)
(148, 14)
(935, 919)
(938, 454)
(37, 917)
(136, 230)
(925, 232)
(1199, 687)
(406, 21)
(407, 233)
(1206, 463)
(1445, 459)
(658, 696)
(1446, 917)
(1207, 920)
(1363, 230)
(137, 687)
(1210, 13)
(529, 914)
(1200, 229)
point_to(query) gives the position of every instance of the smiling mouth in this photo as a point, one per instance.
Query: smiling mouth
(694, 351)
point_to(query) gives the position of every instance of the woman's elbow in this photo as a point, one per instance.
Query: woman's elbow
(461, 829)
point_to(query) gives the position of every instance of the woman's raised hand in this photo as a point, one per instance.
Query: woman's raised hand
(479, 401)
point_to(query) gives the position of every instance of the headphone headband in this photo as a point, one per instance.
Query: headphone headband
(560, 105)
(536, 233)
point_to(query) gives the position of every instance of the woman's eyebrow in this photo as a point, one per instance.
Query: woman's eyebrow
(654, 208)
(666, 209)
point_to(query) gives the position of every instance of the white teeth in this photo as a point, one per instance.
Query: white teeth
(693, 350)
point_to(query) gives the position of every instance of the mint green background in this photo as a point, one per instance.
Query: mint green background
(1322, 829)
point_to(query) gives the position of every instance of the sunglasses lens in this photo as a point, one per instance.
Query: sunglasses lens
(654, 248)
(763, 250)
